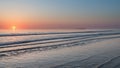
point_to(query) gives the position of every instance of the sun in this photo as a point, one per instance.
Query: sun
(13, 28)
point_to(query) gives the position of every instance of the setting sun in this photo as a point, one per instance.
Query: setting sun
(13, 28)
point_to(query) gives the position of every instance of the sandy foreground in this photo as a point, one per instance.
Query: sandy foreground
(103, 54)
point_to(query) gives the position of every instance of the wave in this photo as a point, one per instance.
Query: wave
(20, 47)
(51, 33)
(59, 38)
(42, 48)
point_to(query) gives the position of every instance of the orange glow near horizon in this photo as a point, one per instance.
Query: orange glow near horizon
(13, 28)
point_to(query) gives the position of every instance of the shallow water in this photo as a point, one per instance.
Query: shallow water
(17, 44)
(21, 41)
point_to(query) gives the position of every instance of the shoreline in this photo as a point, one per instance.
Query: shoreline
(96, 54)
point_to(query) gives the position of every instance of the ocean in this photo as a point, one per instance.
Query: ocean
(30, 40)
(86, 48)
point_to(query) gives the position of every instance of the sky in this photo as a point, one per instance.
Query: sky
(59, 14)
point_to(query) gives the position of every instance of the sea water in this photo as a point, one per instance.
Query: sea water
(13, 42)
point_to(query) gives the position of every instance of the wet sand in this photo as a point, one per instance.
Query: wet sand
(103, 54)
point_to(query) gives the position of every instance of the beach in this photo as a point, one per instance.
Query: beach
(101, 52)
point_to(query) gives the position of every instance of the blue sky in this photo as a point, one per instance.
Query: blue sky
(61, 13)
